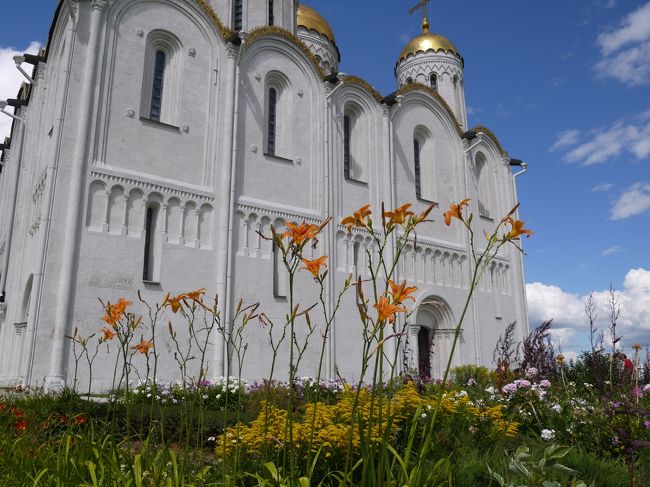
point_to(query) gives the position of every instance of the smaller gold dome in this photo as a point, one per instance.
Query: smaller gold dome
(312, 20)
(428, 42)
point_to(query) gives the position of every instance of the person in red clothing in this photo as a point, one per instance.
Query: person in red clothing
(627, 364)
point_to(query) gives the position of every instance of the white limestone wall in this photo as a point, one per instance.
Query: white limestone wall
(133, 161)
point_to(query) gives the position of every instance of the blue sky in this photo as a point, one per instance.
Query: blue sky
(565, 86)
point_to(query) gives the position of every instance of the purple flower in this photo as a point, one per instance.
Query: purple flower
(545, 383)
(646, 423)
(510, 388)
(636, 392)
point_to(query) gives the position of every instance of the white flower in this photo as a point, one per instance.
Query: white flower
(557, 408)
(423, 415)
(548, 435)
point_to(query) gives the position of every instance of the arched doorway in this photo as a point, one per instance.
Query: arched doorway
(424, 352)
(432, 336)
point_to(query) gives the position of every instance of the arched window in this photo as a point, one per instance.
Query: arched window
(157, 89)
(151, 264)
(346, 145)
(272, 121)
(161, 85)
(278, 137)
(434, 81)
(271, 17)
(416, 168)
(423, 165)
(355, 165)
(409, 81)
(484, 179)
(238, 14)
(279, 274)
(356, 251)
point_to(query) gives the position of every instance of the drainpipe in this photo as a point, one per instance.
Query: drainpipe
(55, 379)
(224, 221)
(231, 209)
(48, 204)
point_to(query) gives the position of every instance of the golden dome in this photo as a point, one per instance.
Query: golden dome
(312, 20)
(428, 42)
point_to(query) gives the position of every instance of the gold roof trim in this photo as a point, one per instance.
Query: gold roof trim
(310, 19)
(355, 80)
(490, 134)
(265, 31)
(227, 34)
(427, 89)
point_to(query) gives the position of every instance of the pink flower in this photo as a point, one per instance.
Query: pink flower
(510, 388)
(545, 383)
(636, 392)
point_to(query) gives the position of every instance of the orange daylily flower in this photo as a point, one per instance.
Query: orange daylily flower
(386, 310)
(455, 211)
(21, 425)
(115, 311)
(400, 292)
(143, 347)
(196, 295)
(399, 215)
(423, 216)
(314, 265)
(174, 302)
(109, 334)
(358, 219)
(301, 233)
(517, 230)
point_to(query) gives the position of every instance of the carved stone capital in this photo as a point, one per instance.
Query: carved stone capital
(231, 50)
(99, 4)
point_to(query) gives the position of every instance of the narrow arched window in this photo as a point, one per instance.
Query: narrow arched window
(271, 17)
(157, 85)
(346, 146)
(272, 121)
(151, 244)
(148, 246)
(409, 81)
(238, 14)
(356, 251)
(279, 274)
(416, 167)
(434, 81)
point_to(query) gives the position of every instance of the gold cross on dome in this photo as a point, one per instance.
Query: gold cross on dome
(422, 5)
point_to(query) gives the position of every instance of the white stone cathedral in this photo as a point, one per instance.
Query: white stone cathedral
(154, 139)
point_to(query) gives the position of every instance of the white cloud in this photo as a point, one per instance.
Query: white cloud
(626, 49)
(564, 139)
(633, 201)
(602, 187)
(635, 27)
(616, 249)
(10, 80)
(607, 143)
(570, 325)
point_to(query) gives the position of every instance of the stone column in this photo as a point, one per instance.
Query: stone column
(55, 379)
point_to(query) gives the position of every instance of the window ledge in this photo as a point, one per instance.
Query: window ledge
(428, 202)
(161, 124)
(486, 217)
(152, 283)
(356, 181)
(278, 158)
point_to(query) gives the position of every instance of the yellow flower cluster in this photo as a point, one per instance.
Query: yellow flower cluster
(333, 427)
